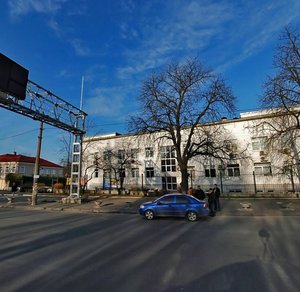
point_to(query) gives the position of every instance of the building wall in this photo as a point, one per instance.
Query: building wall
(25, 169)
(258, 171)
(5, 168)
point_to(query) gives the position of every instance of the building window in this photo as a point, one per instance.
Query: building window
(169, 183)
(262, 169)
(107, 155)
(106, 173)
(149, 152)
(233, 170)
(7, 169)
(168, 165)
(191, 172)
(210, 171)
(231, 145)
(121, 154)
(134, 153)
(96, 173)
(135, 172)
(22, 169)
(95, 158)
(149, 171)
(168, 161)
(259, 143)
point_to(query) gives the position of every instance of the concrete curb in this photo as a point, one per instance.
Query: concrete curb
(130, 205)
(227, 213)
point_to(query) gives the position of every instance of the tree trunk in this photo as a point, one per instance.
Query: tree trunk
(184, 179)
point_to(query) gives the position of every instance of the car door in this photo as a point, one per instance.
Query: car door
(181, 205)
(165, 206)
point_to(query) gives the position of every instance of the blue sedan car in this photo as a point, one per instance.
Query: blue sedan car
(175, 205)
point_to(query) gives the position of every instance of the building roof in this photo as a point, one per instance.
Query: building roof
(26, 159)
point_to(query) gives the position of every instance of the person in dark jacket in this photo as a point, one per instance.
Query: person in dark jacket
(199, 193)
(211, 202)
(217, 194)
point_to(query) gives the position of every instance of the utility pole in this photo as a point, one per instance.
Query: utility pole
(37, 166)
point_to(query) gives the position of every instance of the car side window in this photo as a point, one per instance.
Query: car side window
(167, 200)
(182, 200)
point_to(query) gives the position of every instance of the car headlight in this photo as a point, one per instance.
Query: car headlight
(142, 206)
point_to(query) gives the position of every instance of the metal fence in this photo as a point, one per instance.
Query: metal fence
(251, 184)
(244, 184)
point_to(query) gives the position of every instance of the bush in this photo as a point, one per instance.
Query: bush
(58, 188)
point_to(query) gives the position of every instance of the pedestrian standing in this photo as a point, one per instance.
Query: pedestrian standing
(211, 202)
(217, 193)
(190, 191)
(199, 193)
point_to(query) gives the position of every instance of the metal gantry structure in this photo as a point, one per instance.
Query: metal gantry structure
(43, 105)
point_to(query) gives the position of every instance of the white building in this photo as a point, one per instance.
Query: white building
(141, 162)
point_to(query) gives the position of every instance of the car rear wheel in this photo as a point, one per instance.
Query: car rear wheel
(192, 216)
(149, 215)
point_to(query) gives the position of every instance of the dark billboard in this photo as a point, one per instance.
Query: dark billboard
(13, 78)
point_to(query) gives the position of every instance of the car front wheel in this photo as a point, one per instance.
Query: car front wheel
(192, 216)
(149, 215)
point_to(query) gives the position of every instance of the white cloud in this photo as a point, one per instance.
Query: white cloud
(236, 29)
(79, 48)
(63, 73)
(128, 5)
(259, 25)
(53, 24)
(185, 29)
(76, 43)
(128, 32)
(105, 102)
(22, 7)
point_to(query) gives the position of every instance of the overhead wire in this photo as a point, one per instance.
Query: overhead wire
(23, 133)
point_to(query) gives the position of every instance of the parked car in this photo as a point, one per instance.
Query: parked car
(175, 205)
(44, 189)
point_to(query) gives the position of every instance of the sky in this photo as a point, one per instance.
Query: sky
(116, 44)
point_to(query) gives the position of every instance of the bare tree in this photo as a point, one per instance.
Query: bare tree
(114, 161)
(66, 152)
(282, 99)
(118, 161)
(176, 103)
(282, 91)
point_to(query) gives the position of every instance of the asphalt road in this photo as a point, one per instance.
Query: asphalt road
(52, 251)
(128, 204)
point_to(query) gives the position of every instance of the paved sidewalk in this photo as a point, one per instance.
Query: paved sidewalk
(130, 205)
